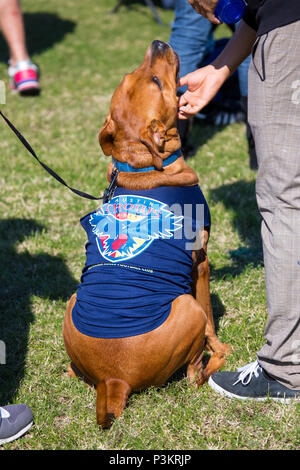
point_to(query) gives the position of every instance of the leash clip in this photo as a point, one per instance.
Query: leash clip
(109, 192)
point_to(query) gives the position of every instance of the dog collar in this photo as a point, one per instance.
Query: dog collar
(130, 169)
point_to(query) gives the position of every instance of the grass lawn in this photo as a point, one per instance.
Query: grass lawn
(83, 53)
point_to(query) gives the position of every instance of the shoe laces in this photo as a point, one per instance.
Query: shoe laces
(4, 413)
(21, 65)
(247, 372)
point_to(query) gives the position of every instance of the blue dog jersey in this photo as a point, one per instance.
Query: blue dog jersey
(138, 259)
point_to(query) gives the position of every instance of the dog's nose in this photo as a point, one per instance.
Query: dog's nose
(159, 47)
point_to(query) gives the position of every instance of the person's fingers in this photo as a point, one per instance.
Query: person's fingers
(183, 81)
(206, 10)
(182, 100)
(181, 112)
(191, 105)
(182, 116)
(195, 5)
(198, 9)
(188, 109)
(213, 19)
(187, 102)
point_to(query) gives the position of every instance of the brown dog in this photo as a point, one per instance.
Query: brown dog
(140, 130)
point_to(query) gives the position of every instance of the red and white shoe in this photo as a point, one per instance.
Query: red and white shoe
(24, 77)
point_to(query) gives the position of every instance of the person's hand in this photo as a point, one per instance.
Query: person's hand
(203, 85)
(206, 8)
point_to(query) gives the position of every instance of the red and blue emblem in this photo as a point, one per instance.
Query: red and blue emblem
(126, 226)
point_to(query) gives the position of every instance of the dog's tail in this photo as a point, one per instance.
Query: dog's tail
(112, 396)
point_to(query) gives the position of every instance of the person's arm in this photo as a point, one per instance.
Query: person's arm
(204, 83)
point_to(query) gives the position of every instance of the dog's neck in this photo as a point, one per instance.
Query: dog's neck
(177, 173)
(126, 167)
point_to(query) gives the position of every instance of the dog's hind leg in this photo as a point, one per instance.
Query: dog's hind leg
(112, 397)
(201, 276)
(198, 374)
(216, 361)
(75, 373)
(194, 369)
(203, 297)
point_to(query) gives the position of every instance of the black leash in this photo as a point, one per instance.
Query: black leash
(108, 193)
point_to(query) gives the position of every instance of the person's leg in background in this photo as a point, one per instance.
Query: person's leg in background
(12, 26)
(22, 71)
(192, 39)
(168, 4)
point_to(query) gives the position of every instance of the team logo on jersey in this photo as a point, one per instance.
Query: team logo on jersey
(127, 225)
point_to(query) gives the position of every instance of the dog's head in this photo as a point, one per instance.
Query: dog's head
(140, 128)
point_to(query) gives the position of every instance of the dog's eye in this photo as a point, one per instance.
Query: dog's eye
(157, 81)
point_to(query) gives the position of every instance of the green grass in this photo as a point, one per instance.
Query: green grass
(83, 53)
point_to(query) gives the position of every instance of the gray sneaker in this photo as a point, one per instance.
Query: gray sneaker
(253, 383)
(15, 420)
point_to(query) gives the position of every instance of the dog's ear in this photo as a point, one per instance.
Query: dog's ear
(106, 135)
(154, 137)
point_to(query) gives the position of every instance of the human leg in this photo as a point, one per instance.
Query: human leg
(191, 37)
(274, 116)
(12, 26)
(22, 72)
